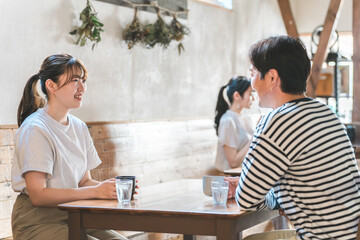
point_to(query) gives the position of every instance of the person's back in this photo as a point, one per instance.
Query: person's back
(304, 145)
(300, 159)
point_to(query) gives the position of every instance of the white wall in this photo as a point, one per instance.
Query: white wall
(138, 84)
(309, 14)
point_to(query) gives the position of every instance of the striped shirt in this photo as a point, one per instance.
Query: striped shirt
(301, 159)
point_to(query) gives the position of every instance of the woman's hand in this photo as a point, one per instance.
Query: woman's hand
(136, 187)
(233, 183)
(106, 189)
(282, 213)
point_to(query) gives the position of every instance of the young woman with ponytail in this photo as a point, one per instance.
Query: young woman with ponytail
(54, 153)
(233, 128)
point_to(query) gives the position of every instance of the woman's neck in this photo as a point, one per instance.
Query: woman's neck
(59, 115)
(235, 108)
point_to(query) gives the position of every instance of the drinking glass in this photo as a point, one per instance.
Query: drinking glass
(219, 192)
(123, 190)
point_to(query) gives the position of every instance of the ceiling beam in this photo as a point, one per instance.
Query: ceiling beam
(329, 25)
(288, 18)
(356, 61)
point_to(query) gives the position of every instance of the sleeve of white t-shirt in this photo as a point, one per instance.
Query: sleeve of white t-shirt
(227, 134)
(35, 151)
(93, 159)
(248, 124)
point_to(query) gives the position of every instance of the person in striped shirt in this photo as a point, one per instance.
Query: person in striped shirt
(300, 159)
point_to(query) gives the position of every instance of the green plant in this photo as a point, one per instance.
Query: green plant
(178, 31)
(157, 33)
(133, 33)
(91, 26)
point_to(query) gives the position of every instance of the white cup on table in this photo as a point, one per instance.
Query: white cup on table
(207, 179)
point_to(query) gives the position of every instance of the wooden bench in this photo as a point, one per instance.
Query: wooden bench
(154, 152)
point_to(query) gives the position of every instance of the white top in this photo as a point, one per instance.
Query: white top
(234, 131)
(64, 152)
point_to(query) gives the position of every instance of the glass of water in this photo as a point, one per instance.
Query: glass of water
(219, 191)
(124, 190)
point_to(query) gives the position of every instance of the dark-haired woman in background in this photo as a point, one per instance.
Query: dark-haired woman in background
(233, 128)
(54, 154)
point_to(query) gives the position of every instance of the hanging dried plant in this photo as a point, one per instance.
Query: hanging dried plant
(157, 33)
(178, 31)
(90, 28)
(133, 33)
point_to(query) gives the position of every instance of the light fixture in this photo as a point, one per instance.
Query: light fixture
(333, 43)
(332, 58)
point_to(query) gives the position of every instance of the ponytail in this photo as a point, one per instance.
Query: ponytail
(221, 107)
(30, 101)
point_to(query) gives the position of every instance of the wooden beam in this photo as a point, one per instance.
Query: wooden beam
(288, 18)
(173, 5)
(329, 25)
(356, 61)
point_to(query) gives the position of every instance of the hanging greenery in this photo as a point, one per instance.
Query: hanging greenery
(133, 33)
(157, 33)
(91, 26)
(178, 31)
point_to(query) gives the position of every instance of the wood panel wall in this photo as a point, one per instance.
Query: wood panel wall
(154, 152)
(7, 195)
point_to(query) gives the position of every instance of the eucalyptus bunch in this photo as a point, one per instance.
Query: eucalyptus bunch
(133, 33)
(91, 26)
(178, 31)
(157, 33)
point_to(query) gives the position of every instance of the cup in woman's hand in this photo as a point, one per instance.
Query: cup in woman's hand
(132, 178)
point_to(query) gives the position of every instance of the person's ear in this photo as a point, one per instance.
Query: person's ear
(274, 76)
(50, 85)
(236, 95)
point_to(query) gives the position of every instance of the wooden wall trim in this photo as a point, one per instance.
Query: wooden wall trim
(356, 61)
(329, 24)
(288, 18)
(10, 126)
(90, 123)
(145, 121)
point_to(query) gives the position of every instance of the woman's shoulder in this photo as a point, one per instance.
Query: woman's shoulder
(228, 120)
(34, 125)
(36, 119)
(229, 117)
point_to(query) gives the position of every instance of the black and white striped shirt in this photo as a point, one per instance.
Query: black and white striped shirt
(302, 159)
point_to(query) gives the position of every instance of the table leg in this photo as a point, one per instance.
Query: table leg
(75, 230)
(189, 237)
(226, 231)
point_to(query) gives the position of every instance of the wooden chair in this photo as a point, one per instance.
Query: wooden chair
(283, 234)
(288, 234)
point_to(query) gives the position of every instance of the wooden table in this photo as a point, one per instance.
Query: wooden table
(173, 207)
(233, 171)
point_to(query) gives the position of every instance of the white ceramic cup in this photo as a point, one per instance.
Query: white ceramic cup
(207, 183)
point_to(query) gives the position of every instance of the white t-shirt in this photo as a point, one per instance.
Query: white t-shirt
(234, 131)
(64, 152)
